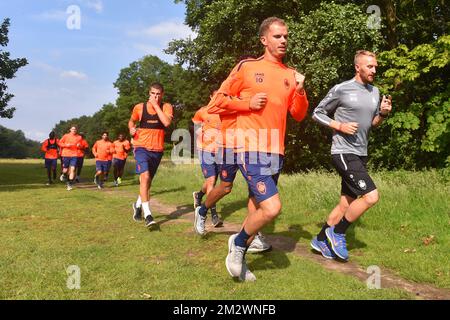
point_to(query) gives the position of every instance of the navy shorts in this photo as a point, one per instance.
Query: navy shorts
(147, 161)
(261, 171)
(353, 171)
(80, 162)
(69, 162)
(119, 163)
(51, 163)
(109, 165)
(229, 166)
(209, 164)
(102, 166)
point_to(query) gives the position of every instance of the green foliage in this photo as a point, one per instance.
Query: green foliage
(418, 133)
(14, 145)
(8, 69)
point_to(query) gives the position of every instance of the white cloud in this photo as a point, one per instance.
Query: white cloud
(73, 74)
(165, 30)
(97, 5)
(52, 15)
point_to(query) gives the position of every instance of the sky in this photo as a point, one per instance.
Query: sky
(76, 49)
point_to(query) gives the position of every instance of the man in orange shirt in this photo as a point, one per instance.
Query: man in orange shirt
(50, 147)
(121, 149)
(261, 91)
(102, 150)
(70, 143)
(81, 153)
(207, 133)
(148, 142)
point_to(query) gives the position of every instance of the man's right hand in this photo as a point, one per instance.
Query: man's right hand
(348, 127)
(133, 131)
(258, 101)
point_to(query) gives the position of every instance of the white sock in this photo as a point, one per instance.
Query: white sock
(146, 207)
(139, 202)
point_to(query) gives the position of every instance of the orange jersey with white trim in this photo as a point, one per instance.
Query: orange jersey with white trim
(50, 153)
(210, 130)
(150, 139)
(103, 150)
(70, 143)
(263, 130)
(119, 149)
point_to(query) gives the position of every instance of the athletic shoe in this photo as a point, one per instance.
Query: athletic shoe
(235, 262)
(215, 220)
(199, 222)
(100, 186)
(77, 180)
(246, 275)
(48, 183)
(116, 184)
(338, 243)
(119, 180)
(69, 187)
(197, 200)
(259, 244)
(323, 247)
(149, 221)
(62, 178)
(137, 213)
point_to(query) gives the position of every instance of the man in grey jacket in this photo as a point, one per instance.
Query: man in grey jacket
(357, 108)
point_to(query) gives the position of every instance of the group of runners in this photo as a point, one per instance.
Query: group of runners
(71, 150)
(243, 129)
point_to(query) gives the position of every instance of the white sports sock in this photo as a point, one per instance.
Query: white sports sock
(146, 207)
(139, 202)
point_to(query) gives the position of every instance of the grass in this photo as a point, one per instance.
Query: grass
(44, 230)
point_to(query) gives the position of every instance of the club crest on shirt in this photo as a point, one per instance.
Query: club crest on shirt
(287, 85)
(259, 77)
(261, 186)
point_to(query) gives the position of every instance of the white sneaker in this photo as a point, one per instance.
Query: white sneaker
(235, 262)
(62, 178)
(199, 222)
(69, 188)
(259, 244)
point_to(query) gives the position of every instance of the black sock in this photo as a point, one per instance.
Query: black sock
(213, 210)
(322, 236)
(201, 194)
(342, 226)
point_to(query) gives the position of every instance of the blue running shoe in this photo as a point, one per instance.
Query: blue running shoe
(338, 243)
(323, 248)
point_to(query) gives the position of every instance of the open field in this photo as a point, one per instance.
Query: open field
(44, 230)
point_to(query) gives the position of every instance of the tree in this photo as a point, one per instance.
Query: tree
(8, 69)
(418, 133)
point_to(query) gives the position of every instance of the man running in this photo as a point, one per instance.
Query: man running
(262, 91)
(102, 150)
(356, 107)
(81, 153)
(121, 149)
(208, 132)
(51, 149)
(70, 143)
(228, 170)
(148, 142)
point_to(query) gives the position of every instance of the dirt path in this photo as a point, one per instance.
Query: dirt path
(174, 214)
